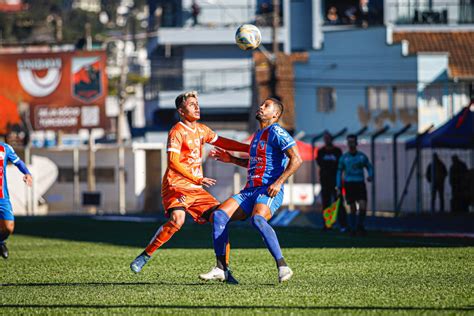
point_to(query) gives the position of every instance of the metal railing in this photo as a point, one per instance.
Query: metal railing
(215, 15)
(430, 12)
(204, 81)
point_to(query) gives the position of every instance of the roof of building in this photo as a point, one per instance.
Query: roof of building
(459, 45)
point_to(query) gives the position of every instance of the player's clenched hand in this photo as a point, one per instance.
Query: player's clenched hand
(28, 179)
(208, 182)
(274, 189)
(220, 155)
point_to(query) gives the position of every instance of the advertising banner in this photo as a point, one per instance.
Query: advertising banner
(64, 90)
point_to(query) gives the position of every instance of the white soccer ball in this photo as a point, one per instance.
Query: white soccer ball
(248, 37)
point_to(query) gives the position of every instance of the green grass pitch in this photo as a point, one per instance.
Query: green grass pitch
(65, 266)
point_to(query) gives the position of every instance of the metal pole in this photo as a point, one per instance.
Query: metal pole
(340, 133)
(276, 25)
(28, 197)
(372, 157)
(120, 132)
(291, 182)
(90, 169)
(419, 173)
(432, 184)
(76, 184)
(395, 165)
(313, 163)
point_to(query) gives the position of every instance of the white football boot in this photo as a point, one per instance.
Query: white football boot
(284, 274)
(215, 274)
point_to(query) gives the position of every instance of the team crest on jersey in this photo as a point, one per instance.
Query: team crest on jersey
(261, 144)
(2, 155)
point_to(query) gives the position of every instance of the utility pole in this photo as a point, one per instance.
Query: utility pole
(90, 148)
(275, 48)
(122, 94)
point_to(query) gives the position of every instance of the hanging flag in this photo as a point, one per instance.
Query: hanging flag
(330, 213)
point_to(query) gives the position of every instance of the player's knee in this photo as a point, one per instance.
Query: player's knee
(8, 229)
(177, 219)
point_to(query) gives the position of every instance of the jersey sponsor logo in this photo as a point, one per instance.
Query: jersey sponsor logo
(280, 131)
(39, 77)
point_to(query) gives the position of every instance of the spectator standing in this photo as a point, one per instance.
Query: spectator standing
(437, 188)
(328, 159)
(195, 11)
(351, 167)
(458, 179)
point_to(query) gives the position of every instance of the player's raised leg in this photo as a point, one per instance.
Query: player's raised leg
(162, 235)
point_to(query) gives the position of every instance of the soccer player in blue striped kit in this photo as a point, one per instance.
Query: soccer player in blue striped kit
(7, 220)
(273, 157)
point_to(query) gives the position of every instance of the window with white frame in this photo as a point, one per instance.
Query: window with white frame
(377, 98)
(326, 99)
(404, 97)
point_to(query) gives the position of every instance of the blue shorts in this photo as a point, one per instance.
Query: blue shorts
(247, 198)
(6, 211)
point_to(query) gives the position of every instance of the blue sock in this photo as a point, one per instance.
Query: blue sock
(269, 236)
(220, 233)
(3, 237)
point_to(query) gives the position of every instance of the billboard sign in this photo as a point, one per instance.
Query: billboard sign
(65, 90)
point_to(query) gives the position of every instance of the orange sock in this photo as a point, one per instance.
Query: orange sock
(163, 234)
(227, 254)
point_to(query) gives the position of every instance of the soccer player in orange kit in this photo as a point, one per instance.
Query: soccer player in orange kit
(182, 188)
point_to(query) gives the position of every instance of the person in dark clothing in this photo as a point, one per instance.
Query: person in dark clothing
(437, 188)
(459, 182)
(195, 11)
(328, 159)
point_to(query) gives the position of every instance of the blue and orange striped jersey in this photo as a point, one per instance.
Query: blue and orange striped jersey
(6, 154)
(267, 159)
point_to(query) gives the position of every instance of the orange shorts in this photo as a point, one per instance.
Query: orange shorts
(194, 201)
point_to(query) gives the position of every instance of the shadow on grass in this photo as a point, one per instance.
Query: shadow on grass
(223, 307)
(78, 284)
(242, 235)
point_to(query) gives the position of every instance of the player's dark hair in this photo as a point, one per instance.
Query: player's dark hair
(279, 104)
(352, 136)
(180, 99)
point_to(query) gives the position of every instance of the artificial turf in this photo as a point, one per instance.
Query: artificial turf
(81, 266)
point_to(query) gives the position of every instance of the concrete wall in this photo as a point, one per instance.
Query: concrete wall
(349, 61)
(60, 197)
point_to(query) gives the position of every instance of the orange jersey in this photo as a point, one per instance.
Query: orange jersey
(188, 143)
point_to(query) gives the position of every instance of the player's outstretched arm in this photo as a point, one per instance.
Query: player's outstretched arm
(224, 156)
(175, 165)
(13, 158)
(232, 145)
(293, 165)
